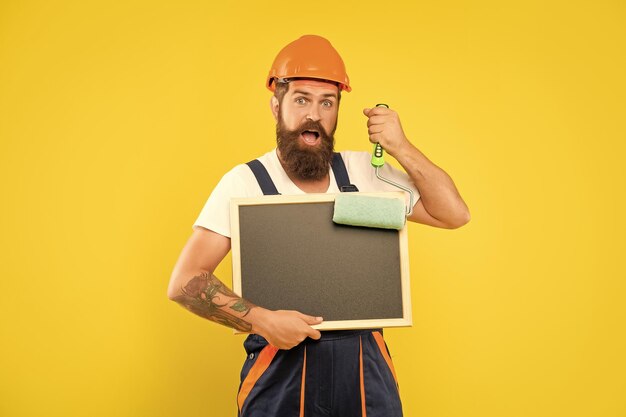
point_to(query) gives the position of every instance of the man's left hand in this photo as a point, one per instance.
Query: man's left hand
(384, 127)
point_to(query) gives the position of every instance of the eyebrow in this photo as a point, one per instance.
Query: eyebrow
(305, 93)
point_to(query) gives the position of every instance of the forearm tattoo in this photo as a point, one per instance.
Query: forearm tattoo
(206, 296)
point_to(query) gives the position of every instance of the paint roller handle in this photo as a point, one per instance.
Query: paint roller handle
(377, 156)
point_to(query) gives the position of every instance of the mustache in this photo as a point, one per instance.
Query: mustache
(312, 125)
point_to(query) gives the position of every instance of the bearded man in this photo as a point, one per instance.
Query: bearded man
(292, 369)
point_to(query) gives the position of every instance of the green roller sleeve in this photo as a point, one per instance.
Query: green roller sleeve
(353, 209)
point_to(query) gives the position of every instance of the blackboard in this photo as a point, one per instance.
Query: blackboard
(289, 255)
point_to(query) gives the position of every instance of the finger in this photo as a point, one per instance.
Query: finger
(376, 111)
(310, 320)
(314, 334)
(370, 111)
(373, 130)
(376, 137)
(377, 120)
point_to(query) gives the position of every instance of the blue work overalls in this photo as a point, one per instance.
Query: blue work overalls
(347, 373)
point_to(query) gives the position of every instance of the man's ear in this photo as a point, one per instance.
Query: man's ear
(274, 105)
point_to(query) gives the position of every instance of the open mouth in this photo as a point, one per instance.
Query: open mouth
(310, 137)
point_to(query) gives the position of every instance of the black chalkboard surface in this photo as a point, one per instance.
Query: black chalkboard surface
(289, 255)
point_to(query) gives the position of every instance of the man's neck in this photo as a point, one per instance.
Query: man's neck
(311, 186)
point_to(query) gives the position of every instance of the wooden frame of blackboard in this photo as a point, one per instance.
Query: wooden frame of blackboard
(395, 292)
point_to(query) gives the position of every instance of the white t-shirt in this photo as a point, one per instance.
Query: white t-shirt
(241, 182)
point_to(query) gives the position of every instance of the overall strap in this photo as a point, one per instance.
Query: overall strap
(263, 177)
(341, 174)
(268, 187)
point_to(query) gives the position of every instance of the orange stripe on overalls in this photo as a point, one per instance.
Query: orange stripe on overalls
(302, 385)
(383, 349)
(260, 366)
(363, 408)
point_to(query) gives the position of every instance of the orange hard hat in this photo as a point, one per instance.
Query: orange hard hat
(310, 56)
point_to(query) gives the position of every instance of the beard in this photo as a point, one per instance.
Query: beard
(303, 161)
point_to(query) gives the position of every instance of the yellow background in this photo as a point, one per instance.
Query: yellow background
(118, 118)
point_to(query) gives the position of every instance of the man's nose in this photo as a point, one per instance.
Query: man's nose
(313, 114)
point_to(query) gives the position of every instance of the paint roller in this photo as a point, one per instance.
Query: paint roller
(353, 209)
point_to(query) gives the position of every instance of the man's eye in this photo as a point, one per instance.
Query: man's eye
(300, 100)
(327, 103)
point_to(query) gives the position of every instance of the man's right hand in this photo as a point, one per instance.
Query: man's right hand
(283, 328)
